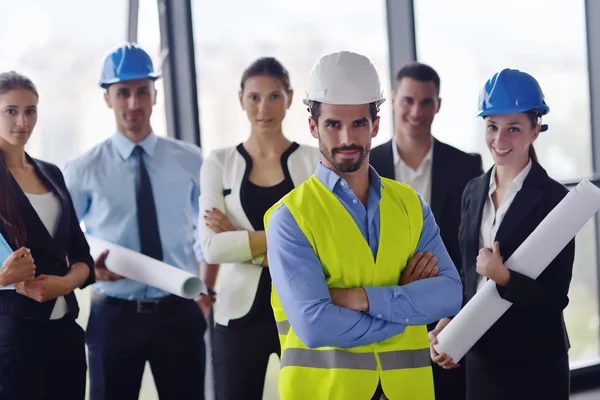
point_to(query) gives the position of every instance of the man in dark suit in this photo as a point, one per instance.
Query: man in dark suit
(437, 171)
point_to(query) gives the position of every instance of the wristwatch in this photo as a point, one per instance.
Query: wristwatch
(259, 260)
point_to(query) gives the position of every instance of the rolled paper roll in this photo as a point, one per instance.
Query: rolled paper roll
(531, 258)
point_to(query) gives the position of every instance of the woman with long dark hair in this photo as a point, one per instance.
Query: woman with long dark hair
(42, 348)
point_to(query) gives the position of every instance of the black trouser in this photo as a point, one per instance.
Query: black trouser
(122, 335)
(240, 359)
(545, 376)
(41, 360)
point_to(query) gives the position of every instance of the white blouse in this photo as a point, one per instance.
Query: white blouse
(491, 218)
(48, 208)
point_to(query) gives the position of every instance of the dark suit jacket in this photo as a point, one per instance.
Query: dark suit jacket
(451, 170)
(533, 328)
(50, 254)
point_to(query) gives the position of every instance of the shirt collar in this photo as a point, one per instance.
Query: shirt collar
(330, 179)
(396, 156)
(517, 183)
(125, 146)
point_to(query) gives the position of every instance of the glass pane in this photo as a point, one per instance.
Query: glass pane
(547, 40)
(149, 40)
(297, 34)
(581, 314)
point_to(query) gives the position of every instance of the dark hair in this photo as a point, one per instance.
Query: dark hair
(534, 116)
(9, 209)
(419, 72)
(267, 66)
(315, 110)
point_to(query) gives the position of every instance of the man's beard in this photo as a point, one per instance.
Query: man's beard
(347, 165)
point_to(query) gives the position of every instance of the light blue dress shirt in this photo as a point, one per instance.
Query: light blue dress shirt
(102, 185)
(301, 286)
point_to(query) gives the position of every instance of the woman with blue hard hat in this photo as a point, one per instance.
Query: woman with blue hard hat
(524, 355)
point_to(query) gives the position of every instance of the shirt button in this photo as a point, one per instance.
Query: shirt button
(342, 184)
(407, 320)
(379, 316)
(355, 201)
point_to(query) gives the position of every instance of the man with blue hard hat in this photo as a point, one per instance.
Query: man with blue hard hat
(140, 191)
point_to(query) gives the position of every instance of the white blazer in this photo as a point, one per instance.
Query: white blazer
(220, 181)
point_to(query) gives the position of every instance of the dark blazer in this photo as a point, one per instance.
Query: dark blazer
(50, 254)
(451, 170)
(533, 328)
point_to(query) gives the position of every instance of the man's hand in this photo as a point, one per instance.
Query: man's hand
(353, 299)
(205, 303)
(102, 273)
(421, 266)
(440, 359)
(217, 221)
(490, 265)
(44, 288)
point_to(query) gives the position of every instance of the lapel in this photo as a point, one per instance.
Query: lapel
(32, 221)
(475, 210)
(525, 201)
(440, 179)
(385, 161)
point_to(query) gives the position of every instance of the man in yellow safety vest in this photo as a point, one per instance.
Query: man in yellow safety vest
(357, 261)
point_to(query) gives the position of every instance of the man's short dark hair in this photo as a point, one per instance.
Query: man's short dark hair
(315, 110)
(419, 72)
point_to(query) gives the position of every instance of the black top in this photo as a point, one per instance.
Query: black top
(533, 329)
(256, 200)
(52, 255)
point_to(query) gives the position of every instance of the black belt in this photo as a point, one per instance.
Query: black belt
(140, 306)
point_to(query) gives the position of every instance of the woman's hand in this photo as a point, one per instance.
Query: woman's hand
(491, 265)
(440, 359)
(18, 267)
(44, 288)
(217, 221)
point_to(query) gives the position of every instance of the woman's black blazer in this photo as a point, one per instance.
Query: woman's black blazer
(533, 327)
(52, 255)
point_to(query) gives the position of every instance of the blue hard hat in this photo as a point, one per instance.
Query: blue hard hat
(511, 91)
(126, 63)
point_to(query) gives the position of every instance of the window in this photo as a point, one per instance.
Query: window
(149, 40)
(60, 45)
(297, 34)
(547, 40)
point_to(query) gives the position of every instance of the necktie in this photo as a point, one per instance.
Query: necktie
(146, 211)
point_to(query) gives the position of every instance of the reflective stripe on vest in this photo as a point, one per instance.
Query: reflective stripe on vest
(283, 327)
(330, 359)
(402, 359)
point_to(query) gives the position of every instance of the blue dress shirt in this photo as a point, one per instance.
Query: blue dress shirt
(301, 287)
(102, 185)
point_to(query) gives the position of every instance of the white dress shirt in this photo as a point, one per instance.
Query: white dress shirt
(492, 218)
(419, 179)
(48, 208)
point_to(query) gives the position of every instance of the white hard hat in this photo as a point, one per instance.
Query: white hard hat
(344, 78)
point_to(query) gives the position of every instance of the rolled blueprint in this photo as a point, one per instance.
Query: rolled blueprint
(531, 258)
(147, 270)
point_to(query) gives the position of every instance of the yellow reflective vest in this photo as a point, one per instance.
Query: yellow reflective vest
(401, 363)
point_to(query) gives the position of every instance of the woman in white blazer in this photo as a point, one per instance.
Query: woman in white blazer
(238, 185)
